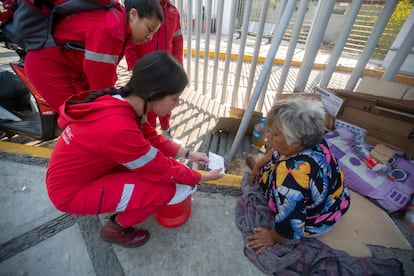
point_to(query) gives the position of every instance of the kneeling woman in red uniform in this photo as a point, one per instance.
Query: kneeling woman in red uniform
(109, 159)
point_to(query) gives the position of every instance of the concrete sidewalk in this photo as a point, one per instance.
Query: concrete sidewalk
(36, 239)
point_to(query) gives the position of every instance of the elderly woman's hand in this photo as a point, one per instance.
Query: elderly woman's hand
(254, 175)
(255, 170)
(263, 238)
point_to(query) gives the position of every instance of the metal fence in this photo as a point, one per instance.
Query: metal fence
(218, 34)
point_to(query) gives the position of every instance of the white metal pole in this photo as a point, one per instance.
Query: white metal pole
(219, 22)
(314, 40)
(267, 67)
(340, 43)
(401, 56)
(369, 48)
(292, 45)
(243, 37)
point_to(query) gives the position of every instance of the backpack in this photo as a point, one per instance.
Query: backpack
(14, 95)
(28, 23)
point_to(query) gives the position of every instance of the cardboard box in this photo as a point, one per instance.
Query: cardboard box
(231, 124)
(387, 120)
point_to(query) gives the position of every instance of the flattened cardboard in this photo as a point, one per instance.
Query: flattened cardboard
(393, 114)
(379, 87)
(409, 94)
(388, 121)
(382, 153)
(366, 102)
(391, 132)
(358, 229)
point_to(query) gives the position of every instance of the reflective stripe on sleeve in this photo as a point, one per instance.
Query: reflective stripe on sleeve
(125, 198)
(142, 160)
(177, 33)
(112, 59)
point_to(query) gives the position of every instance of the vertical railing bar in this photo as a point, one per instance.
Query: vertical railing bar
(198, 19)
(340, 43)
(180, 8)
(260, 101)
(207, 29)
(256, 52)
(313, 41)
(189, 39)
(281, 8)
(228, 52)
(400, 57)
(243, 37)
(277, 39)
(369, 48)
(292, 45)
(219, 22)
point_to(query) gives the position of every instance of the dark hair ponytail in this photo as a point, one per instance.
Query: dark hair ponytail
(157, 75)
(123, 91)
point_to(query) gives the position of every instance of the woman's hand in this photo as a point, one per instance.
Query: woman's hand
(254, 175)
(212, 175)
(262, 238)
(198, 157)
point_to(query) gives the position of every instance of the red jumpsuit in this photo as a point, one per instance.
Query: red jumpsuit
(168, 38)
(59, 72)
(105, 161)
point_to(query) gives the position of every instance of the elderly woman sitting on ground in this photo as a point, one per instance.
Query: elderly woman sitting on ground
(299, 177)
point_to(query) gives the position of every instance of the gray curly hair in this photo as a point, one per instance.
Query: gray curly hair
(300, 120)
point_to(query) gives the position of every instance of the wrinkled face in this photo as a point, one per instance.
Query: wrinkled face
(277, 140)
(166, 104)
(142, 29)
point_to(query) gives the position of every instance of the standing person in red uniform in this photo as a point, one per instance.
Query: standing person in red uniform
(108, 161)
(168, 38)
(91, 44)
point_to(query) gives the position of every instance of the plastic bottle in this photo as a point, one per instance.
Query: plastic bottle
(409, 214)
(259, 134)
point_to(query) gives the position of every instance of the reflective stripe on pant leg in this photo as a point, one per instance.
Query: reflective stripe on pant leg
(125, 198)
(154, 195)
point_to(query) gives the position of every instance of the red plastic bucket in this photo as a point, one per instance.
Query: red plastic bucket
(178, 210)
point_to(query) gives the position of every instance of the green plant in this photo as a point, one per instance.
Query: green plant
(397, 20)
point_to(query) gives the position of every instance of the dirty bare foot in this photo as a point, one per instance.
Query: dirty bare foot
(250, 162)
